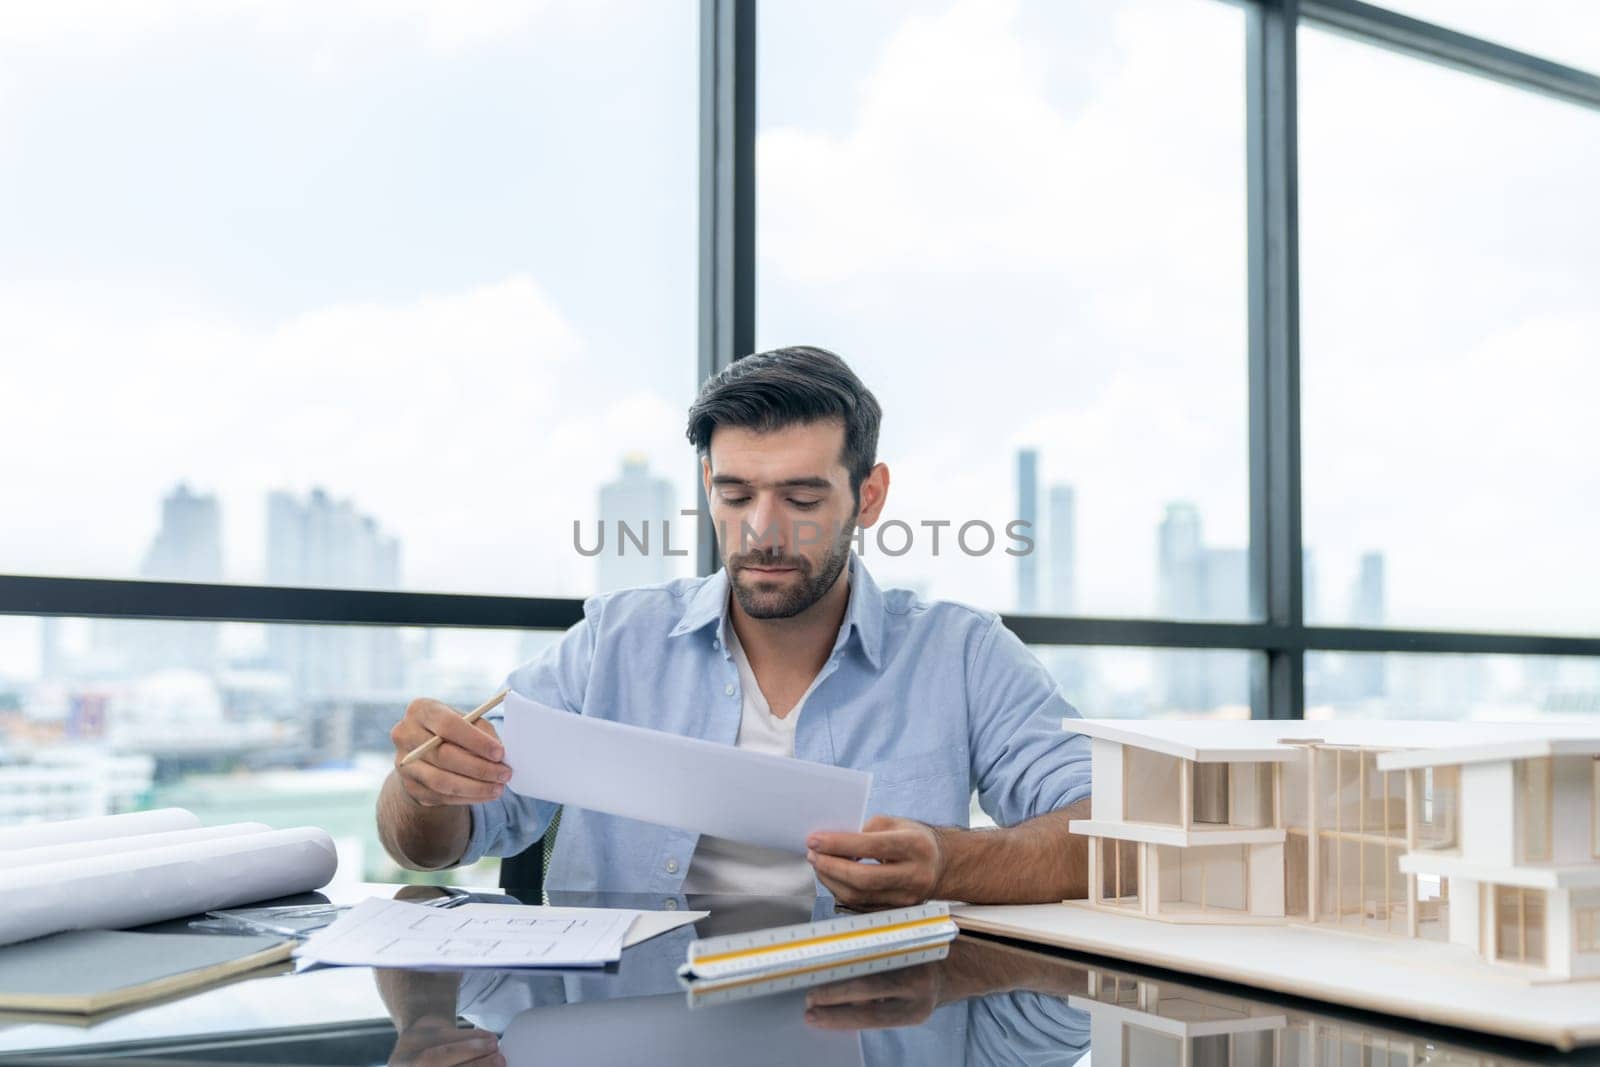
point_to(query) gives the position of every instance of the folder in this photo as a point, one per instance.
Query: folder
(88, 971)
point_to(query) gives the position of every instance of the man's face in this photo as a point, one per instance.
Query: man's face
(784, 514)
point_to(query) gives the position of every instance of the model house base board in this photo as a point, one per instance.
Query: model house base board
(1436, 982)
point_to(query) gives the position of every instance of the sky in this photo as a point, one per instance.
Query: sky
(441, 258)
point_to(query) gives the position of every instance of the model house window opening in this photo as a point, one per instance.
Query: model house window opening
(1207, 879)
(1152, 787)
(1535, 798)
(1120, 864)
(1361, 835)
(1519, 924)
(1586, 929)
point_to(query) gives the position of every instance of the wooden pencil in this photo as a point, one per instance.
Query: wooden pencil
(471, 717)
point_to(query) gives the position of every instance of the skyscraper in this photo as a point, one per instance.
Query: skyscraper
(1366, 675)
(1062, 533)
(644, 505)
(1197, 582)
(320, 541)
(51, 657)
(1073, 668)
(1028, 512)
(1367, 596)
(1180, 566)
(187, 548)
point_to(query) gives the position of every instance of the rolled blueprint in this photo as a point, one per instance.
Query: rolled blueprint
(150, 885)
(84, 850)
(98, 828)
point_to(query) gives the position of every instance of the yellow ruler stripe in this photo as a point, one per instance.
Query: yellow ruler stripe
(718, 985)
(847, 935)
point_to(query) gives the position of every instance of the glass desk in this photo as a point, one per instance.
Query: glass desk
(986, 1002)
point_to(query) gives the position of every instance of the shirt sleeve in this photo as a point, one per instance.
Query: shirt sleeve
(557, 677)
(1023, 761)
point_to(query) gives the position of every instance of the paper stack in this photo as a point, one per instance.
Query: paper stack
(118, 871)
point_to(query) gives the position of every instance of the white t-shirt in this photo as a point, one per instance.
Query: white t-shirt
(723, 866)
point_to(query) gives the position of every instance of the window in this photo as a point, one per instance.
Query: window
(1025, 223)
(1563, 30)
(1136, 683)
(1361, 835)
(241, 743)
(1586, 929)
(1438, 808)
(1519, 924)
(1535, 799)
(1121, 863)
(331, 296)
(1152, 785)
(1447, 270)
(410, 301)
(1203, 878)
(1457, 687)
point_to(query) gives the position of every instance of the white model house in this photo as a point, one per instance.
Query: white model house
(1485, 835)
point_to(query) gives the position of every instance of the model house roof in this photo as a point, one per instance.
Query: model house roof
(1560, 741)
(1407, 743)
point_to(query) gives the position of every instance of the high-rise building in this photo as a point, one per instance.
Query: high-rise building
(1200, 583)
(1368, 604)
(1180, 594)
(636, 512)
(1073, 668)
(1365, 676)
(51, 656)
(1028, 513)
(320, 541)
(1062, 539)
(187, 548)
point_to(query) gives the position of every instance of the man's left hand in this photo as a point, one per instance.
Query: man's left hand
(910, 863)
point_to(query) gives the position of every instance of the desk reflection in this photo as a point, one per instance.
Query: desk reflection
(983, 1003)
(986, 1002)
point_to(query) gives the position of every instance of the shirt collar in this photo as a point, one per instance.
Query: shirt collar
(863, 616)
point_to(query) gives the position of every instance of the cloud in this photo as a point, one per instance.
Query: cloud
(470, 423)
(960, 161)
(445, 26)
(1070, 264)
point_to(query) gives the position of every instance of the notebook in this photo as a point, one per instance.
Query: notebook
(86, 971)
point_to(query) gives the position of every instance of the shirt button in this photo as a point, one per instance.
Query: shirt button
(728, 690)
(670, 904)
(672, 866)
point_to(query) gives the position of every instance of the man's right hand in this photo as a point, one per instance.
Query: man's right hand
(467, 768)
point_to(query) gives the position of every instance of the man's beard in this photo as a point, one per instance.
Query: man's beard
(789, 602)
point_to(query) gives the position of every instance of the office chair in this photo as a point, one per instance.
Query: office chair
(522, 875)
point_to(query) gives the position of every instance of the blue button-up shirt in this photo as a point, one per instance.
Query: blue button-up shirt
(936, 699)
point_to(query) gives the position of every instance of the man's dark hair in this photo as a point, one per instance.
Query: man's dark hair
(787, 386)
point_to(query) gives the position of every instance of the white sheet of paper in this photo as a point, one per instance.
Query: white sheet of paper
(655, 923)
(648, 924)
(395, 933)
(683, 782)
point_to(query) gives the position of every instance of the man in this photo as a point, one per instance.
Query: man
(806, 658)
